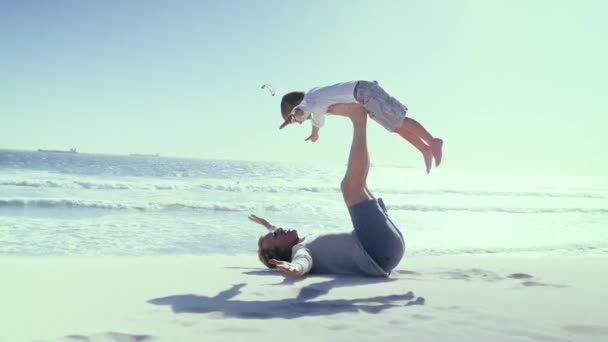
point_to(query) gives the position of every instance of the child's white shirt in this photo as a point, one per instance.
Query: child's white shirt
(317, 100)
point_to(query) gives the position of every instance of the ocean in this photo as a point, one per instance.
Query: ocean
(55, 204)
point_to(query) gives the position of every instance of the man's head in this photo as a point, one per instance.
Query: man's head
(277, 245)
(289, 101)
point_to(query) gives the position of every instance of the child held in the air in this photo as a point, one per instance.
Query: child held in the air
(344, 98)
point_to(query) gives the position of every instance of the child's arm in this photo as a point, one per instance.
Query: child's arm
(314, 135)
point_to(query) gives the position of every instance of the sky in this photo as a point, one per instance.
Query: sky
(509, 85)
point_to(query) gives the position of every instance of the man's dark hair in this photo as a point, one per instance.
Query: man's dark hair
(289, 101)
(274, 253)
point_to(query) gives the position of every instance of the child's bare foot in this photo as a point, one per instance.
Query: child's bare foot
(437, 148)
(428, 159)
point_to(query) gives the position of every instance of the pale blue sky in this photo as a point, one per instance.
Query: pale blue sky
(512, 85)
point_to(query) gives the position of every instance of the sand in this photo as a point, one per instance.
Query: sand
(232, 298)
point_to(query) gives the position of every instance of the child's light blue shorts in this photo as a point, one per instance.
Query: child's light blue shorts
(381, 107)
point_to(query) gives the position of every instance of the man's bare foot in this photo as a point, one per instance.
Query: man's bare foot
(358, 116)
(437, 148)
(428, 159)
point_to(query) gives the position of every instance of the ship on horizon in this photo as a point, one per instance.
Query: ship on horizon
(72, 150)
(144, 155)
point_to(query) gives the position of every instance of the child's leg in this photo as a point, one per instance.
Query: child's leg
(390, 113)
(417, 129)
(437, 148)
(426, 151)
(413, 127)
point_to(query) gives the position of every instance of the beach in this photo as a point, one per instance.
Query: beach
(232, 298)
(139, 138)
(117, 248)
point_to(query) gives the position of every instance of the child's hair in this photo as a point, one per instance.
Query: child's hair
(289, 101)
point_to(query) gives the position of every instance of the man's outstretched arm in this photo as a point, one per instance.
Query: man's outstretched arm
(262, 222)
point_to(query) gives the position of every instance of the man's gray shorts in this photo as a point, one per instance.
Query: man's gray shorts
(381, 107)
(378, 235)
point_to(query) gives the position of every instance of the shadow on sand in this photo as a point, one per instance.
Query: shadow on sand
(289, 308)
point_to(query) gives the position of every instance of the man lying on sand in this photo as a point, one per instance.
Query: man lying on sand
(375, 246)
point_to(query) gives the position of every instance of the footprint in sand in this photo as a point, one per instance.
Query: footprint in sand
(536, 283)
(109, 336)
(470, 274)
(474, 274)
(519, 276)
(531, 283)
(422, 317)
(337, 327)
(587, 329)
(407, 272)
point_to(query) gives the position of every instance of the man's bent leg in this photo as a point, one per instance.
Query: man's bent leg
(378, 235)
(354, 183)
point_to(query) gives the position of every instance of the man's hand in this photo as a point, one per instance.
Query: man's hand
(293, 270)
(261, 222)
